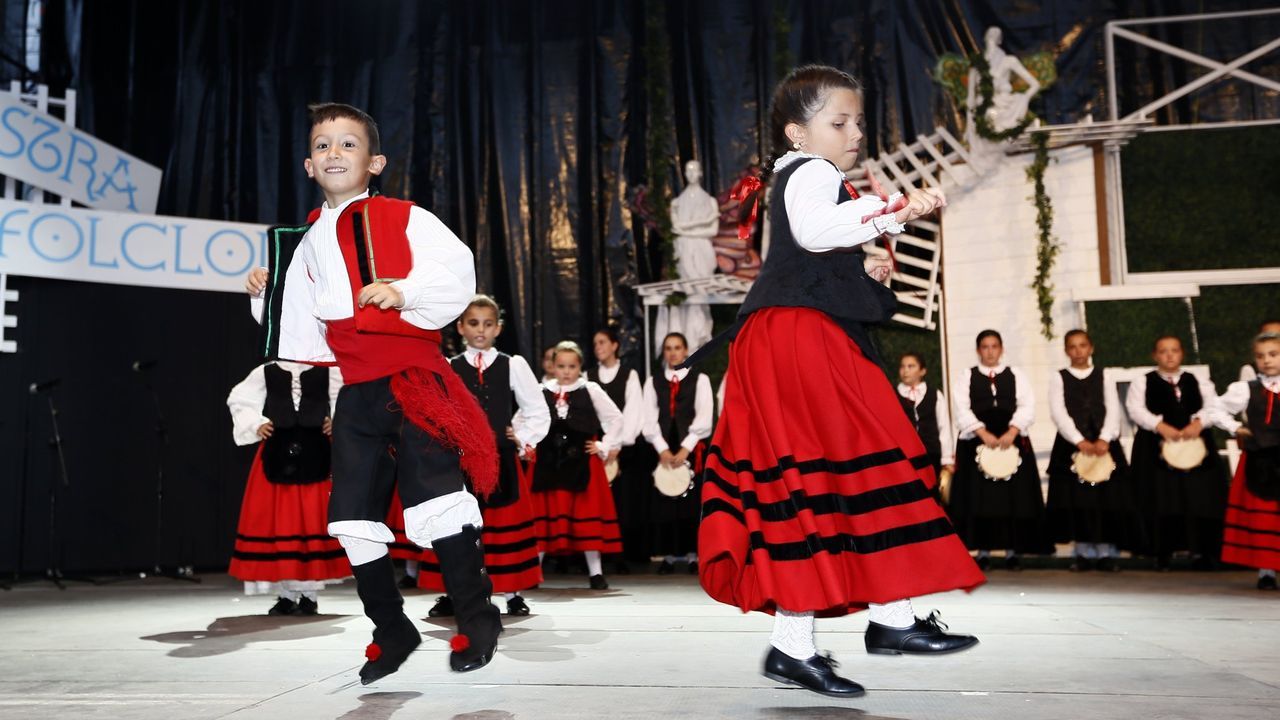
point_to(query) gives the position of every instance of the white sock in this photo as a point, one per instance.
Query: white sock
(671, 559)
(898, 614)
(1010, 554)
(361, 551)
(1088, 551)
(311, 595)
(541, 555)
(1266, 573)
(1107, 550)
(982, 554)
(290, 595)
(593, 562)
(509, 596)
(793, 634)
(411, 568)
(691, 557)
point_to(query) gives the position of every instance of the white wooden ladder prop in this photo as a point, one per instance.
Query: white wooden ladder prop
(13, 190)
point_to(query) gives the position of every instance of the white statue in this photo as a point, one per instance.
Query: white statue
(695, 219)
(1008, 108)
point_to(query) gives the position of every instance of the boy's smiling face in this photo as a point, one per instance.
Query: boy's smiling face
(340, 159)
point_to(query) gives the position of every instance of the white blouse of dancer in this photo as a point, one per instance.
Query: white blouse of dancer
(248, 397)
(1234, 401)
(610, 417)
(946, 440)
(1136, 401)
(532, 408)
(632, 410)
(1062, 419)
(969, 424)
(703, 418)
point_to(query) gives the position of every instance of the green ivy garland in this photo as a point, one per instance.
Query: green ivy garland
(1046, 249)
(986, 91)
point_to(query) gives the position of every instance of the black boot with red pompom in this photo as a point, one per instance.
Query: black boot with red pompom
(394, 635)
(479, 621)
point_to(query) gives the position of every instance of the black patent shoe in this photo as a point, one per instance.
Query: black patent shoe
(1013, 563)
(1107, 565)
(307, 607)
(1081, 564)
(665, 568)
(984, 562)
(817, 674)
(517, 606)
(388, 651)
(408, 582)
(442, 608)
(283, 606)
(1267, 582)
(599, 583)
(927, 637)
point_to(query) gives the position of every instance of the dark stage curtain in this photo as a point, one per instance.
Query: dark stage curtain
(523, 125)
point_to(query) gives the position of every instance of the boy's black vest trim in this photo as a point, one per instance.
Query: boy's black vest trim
(1163, 401)
(995, 411)
(676, 428)
(925, 419)
(1085, 401)
(494, 394)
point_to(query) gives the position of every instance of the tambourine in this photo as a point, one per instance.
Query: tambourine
(1184, 454)
(673, 481)
(998, 463)
(1092, 469)
(611, 470)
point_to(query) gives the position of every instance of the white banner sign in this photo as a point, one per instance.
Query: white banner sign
(43, 151)
(52, 241)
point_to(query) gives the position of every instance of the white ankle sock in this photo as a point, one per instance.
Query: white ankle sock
(593, 562)
(671, 559)
(793, 634)
(1266, 573)
(312, 595)
(411, 568)
(897, 614)
(290, 595)
(509, 596)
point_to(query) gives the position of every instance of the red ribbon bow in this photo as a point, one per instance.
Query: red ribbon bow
(747, 187)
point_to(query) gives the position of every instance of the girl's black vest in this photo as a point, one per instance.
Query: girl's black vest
(1085, 401)
(616, 390)
(925, 418)
(494, 394)
(995, 411)
(297, 451)
(563, 462)
(676, 427)
(1163, 400)
(1262, 449)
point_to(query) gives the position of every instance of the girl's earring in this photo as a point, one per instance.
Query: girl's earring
(799, 145)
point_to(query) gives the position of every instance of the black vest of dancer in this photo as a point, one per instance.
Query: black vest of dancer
(1162, 400)
(563, 462)
(494, 394)
(616, 390)
(835, 282)
(1262, 450)
(925, 418)
(1085, 401)
(297, 451)
(676, 428)
(995, 411)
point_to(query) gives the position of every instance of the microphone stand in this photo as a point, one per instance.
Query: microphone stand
(181, 572)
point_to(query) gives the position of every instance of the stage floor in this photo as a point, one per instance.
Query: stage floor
(1054, 645)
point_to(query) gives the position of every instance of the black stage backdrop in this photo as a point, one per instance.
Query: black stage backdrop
(522, 124)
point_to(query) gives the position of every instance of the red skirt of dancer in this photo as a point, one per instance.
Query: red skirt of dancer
(572, 522)
(283, 533)
(1252, 534)
(817, 494)
(510, 547)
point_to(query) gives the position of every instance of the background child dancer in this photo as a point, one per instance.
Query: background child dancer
(1086, 410)
(812, 430)
(630, 488)
(1252, 536)
(573, 507)
(282, 544)
(1182, 509)
(679, 415)
(995, 408)
(501, 383)
(400, 391)
(926, 407)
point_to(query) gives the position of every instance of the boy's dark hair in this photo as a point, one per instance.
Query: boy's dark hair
(484, 301)
(913, 354)
(989, 333)
(1155, 345)
(324, 112)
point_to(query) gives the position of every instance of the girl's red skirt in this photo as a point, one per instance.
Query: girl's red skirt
(283, 532)
(1252, 530)
(572, 522)
(817, 494)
